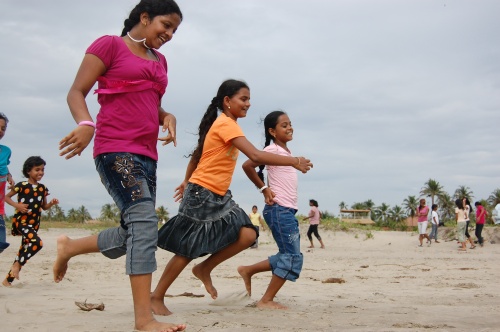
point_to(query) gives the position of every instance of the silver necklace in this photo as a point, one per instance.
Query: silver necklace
(143, 41)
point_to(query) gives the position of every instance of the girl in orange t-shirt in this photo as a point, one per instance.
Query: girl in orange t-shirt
(209, 222)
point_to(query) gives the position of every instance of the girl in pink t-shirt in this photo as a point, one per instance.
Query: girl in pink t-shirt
(314, 217)
(280, 196)
(422, 212)
(209, 221)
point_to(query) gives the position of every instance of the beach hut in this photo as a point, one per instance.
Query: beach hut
(362, 217)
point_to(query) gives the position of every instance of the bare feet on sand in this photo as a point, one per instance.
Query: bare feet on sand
(311, 247)
(206, 279)
(247, 279)
(270, 305)
(61, 264)
(6, 283)
(159, 308)
(156, 326)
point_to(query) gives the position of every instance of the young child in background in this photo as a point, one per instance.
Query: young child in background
(31, 200)
(209, 221)
(314, 218)
(434, 224)
(5, 177)
(280, 197)
(256, 220)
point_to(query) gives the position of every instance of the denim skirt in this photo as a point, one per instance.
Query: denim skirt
(206, 223)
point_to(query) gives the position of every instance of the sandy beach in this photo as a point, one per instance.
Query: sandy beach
(390, 285)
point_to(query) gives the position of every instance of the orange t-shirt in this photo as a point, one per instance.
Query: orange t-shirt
(218, 159)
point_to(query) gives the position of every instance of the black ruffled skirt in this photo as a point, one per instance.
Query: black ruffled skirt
(206, 223)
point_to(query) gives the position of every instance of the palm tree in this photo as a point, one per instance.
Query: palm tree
(162, 213)
(494, 198)
(410, 204)
(397, 214)
(431, 189)
(446, 207)
(369, 204)
(58, 213)
(79, 215)
(110, 212)
(463, 191)
(381, 212)
(84, 214)
(343, 206)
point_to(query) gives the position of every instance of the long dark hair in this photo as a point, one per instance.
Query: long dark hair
(153, 8)
(228, 88)
(270, 121)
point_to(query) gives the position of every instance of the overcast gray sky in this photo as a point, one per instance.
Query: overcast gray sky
(383, 95)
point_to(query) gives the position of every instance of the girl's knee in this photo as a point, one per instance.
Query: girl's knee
(248, 235)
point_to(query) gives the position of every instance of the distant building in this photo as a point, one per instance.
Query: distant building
(362, 217)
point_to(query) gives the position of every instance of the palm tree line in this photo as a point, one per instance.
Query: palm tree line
(432, 189)
(109, 213)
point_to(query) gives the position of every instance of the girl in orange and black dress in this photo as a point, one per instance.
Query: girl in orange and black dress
(31, 200)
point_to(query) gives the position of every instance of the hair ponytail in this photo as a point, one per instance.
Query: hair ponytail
(228, 88)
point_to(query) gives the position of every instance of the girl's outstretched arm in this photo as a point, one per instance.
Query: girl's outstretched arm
(265, 158)
(75, 142)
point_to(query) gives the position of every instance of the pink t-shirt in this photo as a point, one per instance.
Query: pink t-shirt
(282, 180)
(130, 93)
(314, 216)
(424, 210)
(480, 215)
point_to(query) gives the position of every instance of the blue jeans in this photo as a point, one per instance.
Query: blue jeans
(287, 263)
(131, 181)
(3, 235)
(434, 232)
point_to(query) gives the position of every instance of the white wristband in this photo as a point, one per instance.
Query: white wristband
(262, 189)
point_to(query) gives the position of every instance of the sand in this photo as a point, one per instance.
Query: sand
(390, 285)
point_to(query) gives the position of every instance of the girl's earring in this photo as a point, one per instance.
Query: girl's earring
(228, 107)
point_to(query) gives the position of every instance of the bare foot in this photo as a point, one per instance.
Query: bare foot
(322, 247)
(156, 326)
(6, 283)
(270, 305)
(15, 269)
(247, 279)
(159, 308)
(61, 264)
(311, 247)
(206, 279)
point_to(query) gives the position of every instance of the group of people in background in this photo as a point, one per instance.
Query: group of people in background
(463, 210)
